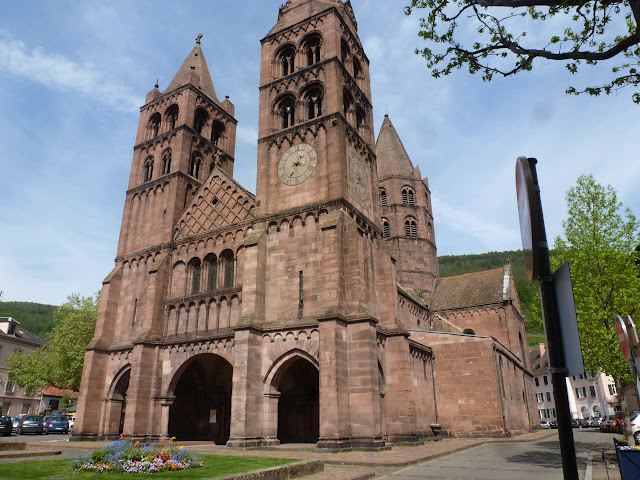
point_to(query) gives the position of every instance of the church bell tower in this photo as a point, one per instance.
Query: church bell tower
(316, 141)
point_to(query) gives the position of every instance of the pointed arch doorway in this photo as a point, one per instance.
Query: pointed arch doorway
(298, 381)
(201, 409)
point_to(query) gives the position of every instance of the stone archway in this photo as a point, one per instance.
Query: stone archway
(201, 408)
(117, 403)
(297, 381)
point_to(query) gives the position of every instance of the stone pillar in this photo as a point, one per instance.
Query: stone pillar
(364, 389)
(247, 394)
(92, 391)
(335, 434)
(270, 418)
(399, 401)
(139, 411)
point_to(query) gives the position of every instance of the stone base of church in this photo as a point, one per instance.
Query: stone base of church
(252, 442)
(406, 440)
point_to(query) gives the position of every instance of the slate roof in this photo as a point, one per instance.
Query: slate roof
(194, 71)
(393, 159)
(21, 333)
(468, 290)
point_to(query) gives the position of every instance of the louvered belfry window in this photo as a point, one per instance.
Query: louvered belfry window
(410, 228)
(386, 230)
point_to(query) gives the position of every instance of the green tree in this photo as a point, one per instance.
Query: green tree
(60, 362)
(600, 240)
(490, 37)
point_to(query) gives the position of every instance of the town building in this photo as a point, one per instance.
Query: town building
(311, 311)
(51, 400)
(13, 337)
(589, 395)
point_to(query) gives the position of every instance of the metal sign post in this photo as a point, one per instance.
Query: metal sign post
(536, 252)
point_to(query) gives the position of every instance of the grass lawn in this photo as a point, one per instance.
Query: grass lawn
(214, 466)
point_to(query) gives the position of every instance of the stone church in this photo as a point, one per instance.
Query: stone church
(311, 311)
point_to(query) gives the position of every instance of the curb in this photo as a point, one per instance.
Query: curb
(26, 454)
(293, 470)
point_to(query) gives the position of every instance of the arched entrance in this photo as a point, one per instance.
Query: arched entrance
(298, 406)
(117, 403)
(201, 409)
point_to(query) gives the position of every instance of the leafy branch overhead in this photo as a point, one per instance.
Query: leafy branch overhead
(489, 37)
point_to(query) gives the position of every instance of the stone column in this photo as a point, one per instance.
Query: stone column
(247, 394)
(400, 406)
(270, 418)
(335, 434)
(364, 388)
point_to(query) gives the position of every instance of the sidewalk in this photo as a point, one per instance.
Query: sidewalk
(355, 465)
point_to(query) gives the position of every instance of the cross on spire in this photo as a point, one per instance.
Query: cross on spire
(198, 38)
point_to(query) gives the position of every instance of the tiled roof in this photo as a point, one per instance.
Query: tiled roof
(392, 156)
(468, 290)
(52, 391)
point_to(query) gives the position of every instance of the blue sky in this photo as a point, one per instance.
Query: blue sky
(73, 76)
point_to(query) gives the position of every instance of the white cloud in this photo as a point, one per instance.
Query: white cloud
(56, 71)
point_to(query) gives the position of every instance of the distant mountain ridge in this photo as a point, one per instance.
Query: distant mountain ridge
(450, 265)
(36, 318)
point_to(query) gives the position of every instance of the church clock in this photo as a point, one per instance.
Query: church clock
(297, 164)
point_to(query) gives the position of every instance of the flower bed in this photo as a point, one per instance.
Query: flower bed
(125, 456)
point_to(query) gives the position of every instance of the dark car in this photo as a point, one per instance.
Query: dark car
(553, 424)
(6, 425)
(57, 423)
(31, 424)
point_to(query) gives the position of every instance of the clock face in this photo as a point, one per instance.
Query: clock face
(297, 164)
(359, 178)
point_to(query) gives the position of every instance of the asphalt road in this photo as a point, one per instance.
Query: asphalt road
(32, 437)
(506, 461)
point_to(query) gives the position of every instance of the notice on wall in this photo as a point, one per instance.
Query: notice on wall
(212, 416)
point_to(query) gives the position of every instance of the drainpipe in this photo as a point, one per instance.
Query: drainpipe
(500, 392)
(433, 381)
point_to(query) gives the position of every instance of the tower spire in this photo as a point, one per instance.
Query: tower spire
(392, 157)
(194, 70)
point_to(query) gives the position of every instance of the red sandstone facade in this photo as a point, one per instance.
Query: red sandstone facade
(303, 313)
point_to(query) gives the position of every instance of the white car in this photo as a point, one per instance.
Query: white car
(634, 421)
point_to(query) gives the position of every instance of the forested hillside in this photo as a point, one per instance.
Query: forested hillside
(457, 264)
(34, 317)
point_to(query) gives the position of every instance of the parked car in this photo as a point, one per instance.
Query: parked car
(634, 421)
(576, 423)
(6, 425)
(605, 424)
(544, 424)
(594, 422)
(553, 424)
(616, 423)
(31, 424)
(57, 423)
(16, 420)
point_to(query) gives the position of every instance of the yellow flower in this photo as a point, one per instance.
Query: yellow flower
(181, 447)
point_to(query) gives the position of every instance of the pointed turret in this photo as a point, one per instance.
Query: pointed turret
(194, 70)
(393, 159)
